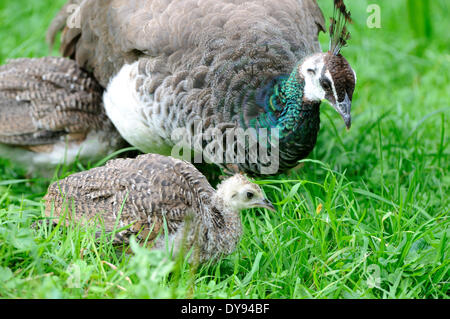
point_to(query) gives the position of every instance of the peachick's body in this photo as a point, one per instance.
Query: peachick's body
(145, 193)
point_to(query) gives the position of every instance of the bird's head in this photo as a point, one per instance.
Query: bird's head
(238, 193)
(329, 77)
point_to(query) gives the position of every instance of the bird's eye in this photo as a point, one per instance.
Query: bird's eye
(311, 71)
(250, 195)
(326, 85)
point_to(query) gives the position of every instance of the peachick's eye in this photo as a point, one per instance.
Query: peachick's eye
(311, 71)
(250, 195)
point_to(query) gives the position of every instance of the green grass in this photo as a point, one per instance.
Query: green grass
(366, 217)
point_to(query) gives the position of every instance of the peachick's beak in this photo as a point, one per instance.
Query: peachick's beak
(266, 204)
(344, 108)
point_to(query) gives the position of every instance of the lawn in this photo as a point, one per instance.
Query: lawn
(367, 216)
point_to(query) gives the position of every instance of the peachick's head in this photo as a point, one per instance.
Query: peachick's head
(238, 193)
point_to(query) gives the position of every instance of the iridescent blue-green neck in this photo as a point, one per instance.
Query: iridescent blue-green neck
(297, 120)
(282, 102)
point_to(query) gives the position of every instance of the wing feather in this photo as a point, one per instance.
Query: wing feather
(45, 99)
(141, 191)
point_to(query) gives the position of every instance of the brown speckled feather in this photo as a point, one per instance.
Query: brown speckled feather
(141, 196)
(149, 188)
(51, 112)
(43, 100)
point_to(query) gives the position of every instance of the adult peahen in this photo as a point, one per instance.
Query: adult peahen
(193, 72)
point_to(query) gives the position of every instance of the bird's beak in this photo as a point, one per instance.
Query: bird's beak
(344, 108)
(266, 204)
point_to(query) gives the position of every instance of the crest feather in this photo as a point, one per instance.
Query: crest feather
(339, 34)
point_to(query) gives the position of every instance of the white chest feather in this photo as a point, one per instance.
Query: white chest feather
(134, 116)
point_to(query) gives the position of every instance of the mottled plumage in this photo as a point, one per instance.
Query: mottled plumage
(229, 64)
(153, 189)
(52, 111)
